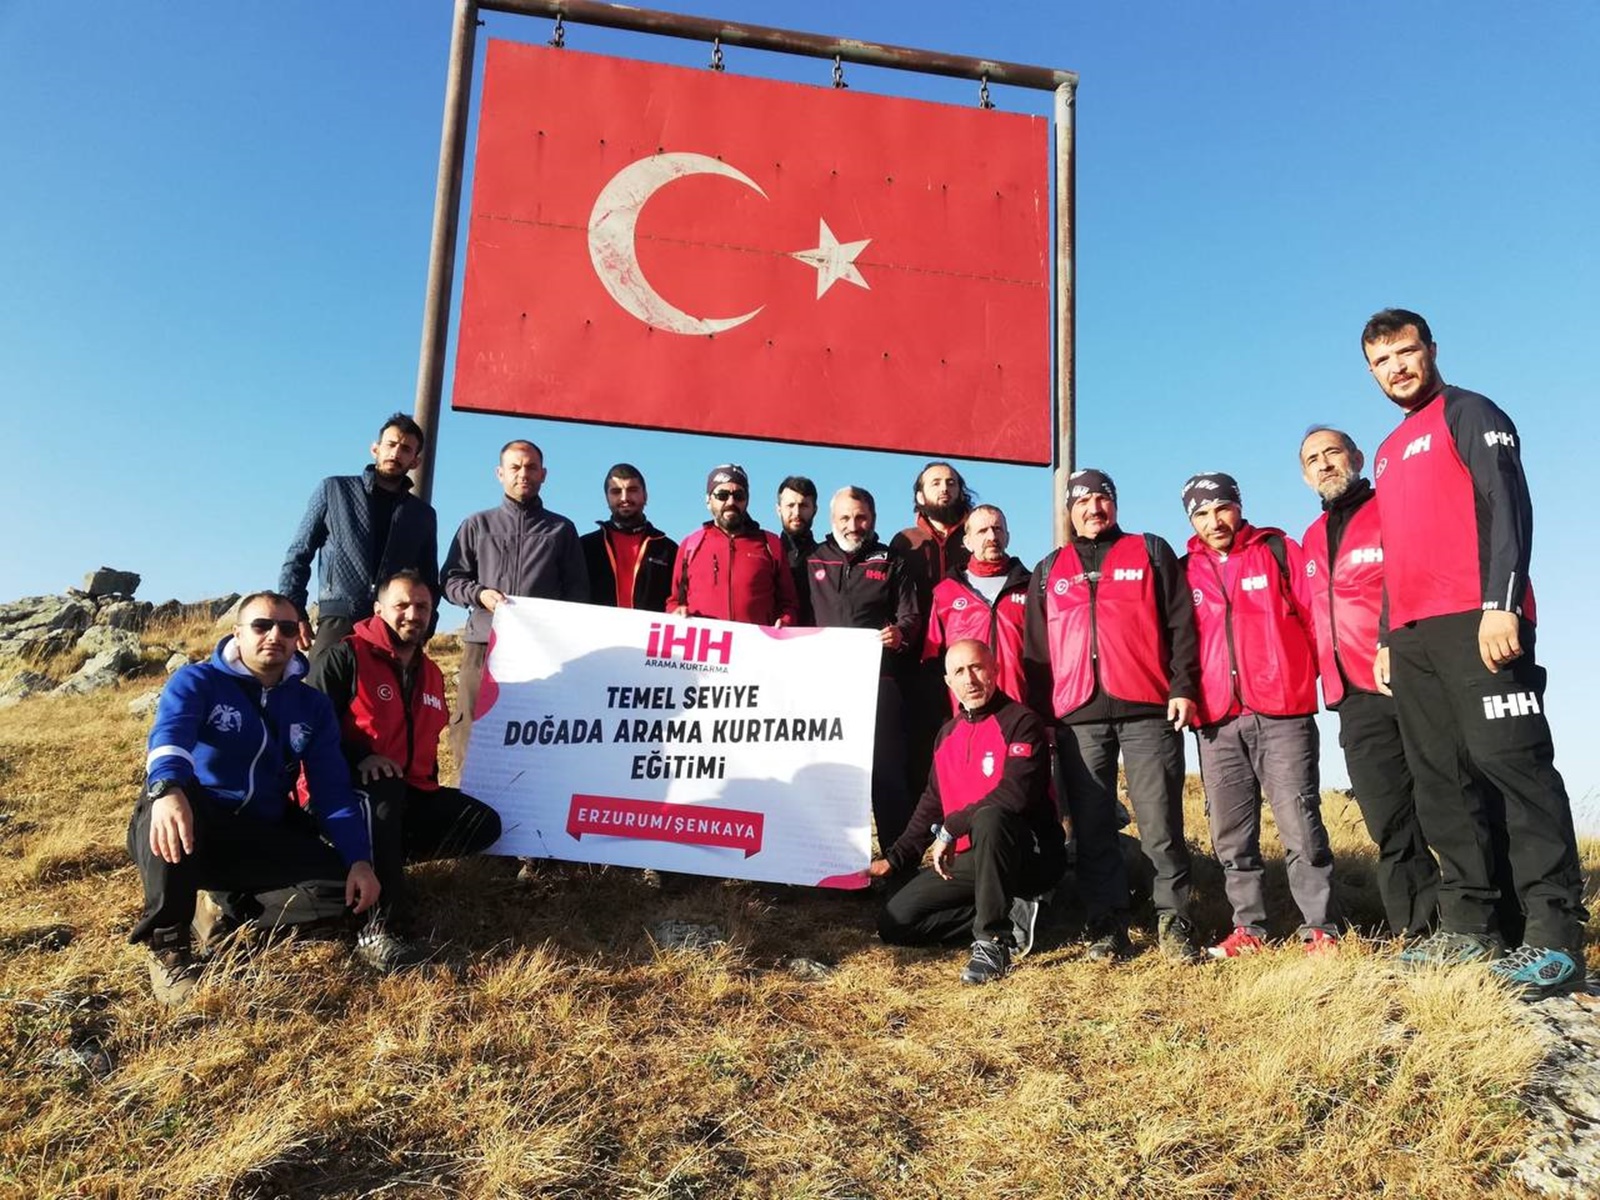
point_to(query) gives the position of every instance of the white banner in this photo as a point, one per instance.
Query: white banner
(607, 735)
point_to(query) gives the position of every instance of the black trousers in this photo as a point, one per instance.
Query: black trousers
(412, 825)
(235, 854)
(1002, 863)
(1152, 756)
(1407, 876)
(331, 630)
(1460, 720)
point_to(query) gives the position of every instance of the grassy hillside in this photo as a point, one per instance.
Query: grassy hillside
(553, 1050)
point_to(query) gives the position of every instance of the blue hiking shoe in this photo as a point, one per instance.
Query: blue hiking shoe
(1536, 972)
(1445, 949)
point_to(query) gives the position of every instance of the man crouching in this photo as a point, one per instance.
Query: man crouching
(996, 834)
(230, 737)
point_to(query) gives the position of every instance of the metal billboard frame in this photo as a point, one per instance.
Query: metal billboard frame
(452, 162)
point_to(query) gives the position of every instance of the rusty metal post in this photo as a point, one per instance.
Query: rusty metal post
(1066, 307)
(442, 252)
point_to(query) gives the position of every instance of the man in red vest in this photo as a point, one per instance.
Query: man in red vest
(1344, 566)
(1459, 660)
(1111, 657)
(1256, 719)
(389, 698)
(987, 813)
(983, 599)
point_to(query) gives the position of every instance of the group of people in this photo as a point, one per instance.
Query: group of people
(1408, 597)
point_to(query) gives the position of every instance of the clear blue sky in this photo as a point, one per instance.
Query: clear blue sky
(214, 228)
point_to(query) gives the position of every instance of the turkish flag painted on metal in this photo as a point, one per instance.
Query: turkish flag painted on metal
(679, 249)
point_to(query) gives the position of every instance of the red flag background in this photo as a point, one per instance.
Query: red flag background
(682, 249)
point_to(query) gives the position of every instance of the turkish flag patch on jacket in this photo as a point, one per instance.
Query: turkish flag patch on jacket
(696, 250)
(1019, 750)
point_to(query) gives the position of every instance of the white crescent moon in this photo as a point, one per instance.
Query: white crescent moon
(611, 239)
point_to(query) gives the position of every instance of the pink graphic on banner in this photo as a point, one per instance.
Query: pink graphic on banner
(853, 881)
(488, 690)
(656, 821)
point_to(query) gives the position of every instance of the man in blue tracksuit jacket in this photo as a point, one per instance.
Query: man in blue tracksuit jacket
(230, 738)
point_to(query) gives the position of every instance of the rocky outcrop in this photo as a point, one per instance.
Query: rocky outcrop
(101, 622)
(1564, 1098)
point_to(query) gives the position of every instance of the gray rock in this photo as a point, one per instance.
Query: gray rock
(98, 639)
(144, 705)
(125, 614)
(1564, 1099)
(22, 685)
(167, 610)
(108, 581)
(113, 654)
(177, 659)
(808, 969)
(685, 935)
(88, 1058)
(227, 617)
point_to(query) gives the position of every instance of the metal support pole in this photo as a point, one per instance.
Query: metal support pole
(1066, 307)
(442, 252)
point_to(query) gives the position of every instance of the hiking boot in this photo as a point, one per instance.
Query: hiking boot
(1442, 948)
(1175, 939)
(1320, 941)
(990, 961)
(1024, 915)
(1108, 941)
(174, 973)
(1536, 972)
(384, 950)
(1237, 944)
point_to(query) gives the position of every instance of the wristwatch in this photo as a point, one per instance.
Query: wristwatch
(941, 834)
(158, 788)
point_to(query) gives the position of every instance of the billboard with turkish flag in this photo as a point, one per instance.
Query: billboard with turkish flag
(692, 250)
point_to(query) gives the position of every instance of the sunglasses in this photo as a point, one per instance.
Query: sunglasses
(262, 626)
(727, 494)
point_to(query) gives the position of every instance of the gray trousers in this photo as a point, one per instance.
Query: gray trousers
(1239, 758)
(1152, 756)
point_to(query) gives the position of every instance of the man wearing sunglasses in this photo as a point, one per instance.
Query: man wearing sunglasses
(730, 568)
(231, 736)
(361, 528)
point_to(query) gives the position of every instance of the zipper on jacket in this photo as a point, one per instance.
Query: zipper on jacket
(416, 680)
(1227, 613)
(250, 775)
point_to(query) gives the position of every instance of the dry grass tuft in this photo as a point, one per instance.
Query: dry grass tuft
(553, 1049)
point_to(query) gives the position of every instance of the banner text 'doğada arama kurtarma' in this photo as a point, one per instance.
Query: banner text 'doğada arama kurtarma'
(645, 740)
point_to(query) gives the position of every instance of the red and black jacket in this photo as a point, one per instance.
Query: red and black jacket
(994, 755)
(1253, 613)
(869, 589)
(1457, 517)
(960, 611)
(1344, 567)
(651, 570)
(377, 713)
(1110, 630)
(739, 576)
(930, 556)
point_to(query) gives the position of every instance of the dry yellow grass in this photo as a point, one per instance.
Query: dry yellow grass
(553, 1050)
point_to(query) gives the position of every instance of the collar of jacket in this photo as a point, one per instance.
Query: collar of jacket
(644, 527)
(376, 633)
(226, 658)
(996, 702)
(957, 531)
(867, 547)
(1107, 535)
(531, 508)
(1353, 497)
(369, 480)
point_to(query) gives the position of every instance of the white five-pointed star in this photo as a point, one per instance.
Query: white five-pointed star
(833, 261)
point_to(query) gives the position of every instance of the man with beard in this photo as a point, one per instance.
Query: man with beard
(859, 583)
(730, 568)
(797, 509)
(996, 835)
(361, 528)
(1459, 622)
(519, 548)
(1344, 563)
(389, 698)
(1112, 656)
(1257, 713)
(931, 547)
(629, 560)
(230, 737)
(983, 600)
